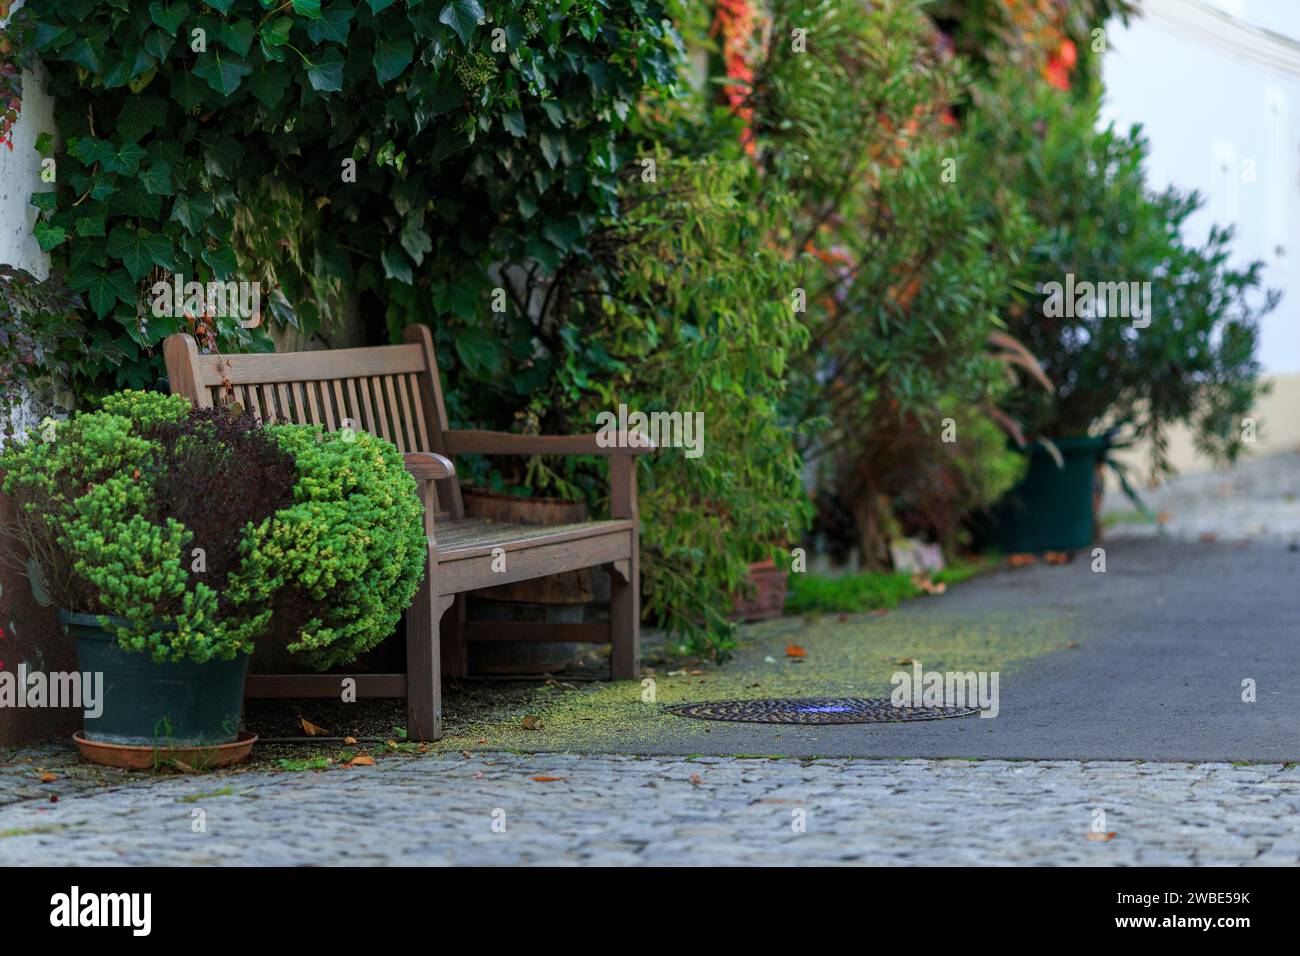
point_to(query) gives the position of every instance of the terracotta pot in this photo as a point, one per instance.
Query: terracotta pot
(768, 600)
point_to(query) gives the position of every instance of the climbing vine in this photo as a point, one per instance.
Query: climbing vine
(396, 150)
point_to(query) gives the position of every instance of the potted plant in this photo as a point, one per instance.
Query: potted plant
(172, 539)
(1137, 326)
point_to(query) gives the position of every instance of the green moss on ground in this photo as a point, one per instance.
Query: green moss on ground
(844, 655)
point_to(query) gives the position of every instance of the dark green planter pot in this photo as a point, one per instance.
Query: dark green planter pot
(1051, 509)
(147, 704)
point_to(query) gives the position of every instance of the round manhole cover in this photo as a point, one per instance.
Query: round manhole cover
(817, 710)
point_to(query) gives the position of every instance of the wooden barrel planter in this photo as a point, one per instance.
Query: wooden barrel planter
(557, 599)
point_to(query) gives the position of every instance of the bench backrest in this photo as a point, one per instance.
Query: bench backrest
(391, 391)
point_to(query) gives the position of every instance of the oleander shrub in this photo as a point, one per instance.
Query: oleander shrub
(194, 533)
(1192, 357)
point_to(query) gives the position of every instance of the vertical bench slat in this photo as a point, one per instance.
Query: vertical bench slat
(310, 388)
(327, 406)
(254, 406)
(412, 442)
(421, 424)
(358, 422)
(345, 418)
(282, 397)
(381, 415)
(393, 416)
(372, 424)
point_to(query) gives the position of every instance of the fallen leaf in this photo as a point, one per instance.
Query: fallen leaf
(1101, 837)
(1072, 644)
(350, 741)
(48, 778)
(696, 673)
(903, 661)
(927, 585)
(794, 650)
(482, 740)
(391, 744)
(310, 729)
(54, 798)
(1022, 560)
(533, 723)
(1208, 537)
(1058, 557)
(363, 760)
(1164, 517)
(544, 779)
(696, 778)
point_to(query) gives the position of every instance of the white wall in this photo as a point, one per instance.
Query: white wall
(19, 178)
(1216, 87)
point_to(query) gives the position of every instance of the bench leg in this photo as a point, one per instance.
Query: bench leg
(455, 656)
(625, 621)
(423, 671)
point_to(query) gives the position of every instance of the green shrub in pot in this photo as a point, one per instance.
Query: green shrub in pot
(172, 539)
(1168, 336)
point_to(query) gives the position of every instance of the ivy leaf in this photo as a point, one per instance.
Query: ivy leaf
(221, 6)
(45, 201)
(223, 76)
(396, 266)
(333, 25)
(326, 74)
(463, 16)
(308, 8)
(103, 289)
(514, 123)
(551, 145)
(378, 6)
(158, 43)
(90, 150)
(48, 236)
(480, 350)
(139, 115)
(222, 261)
(414, 239)
(92, 225)
(139, 250)
(269, 83)
(126, 159)
(84, 54)
(158, 179)
(237, 36)
(169, 16)
(391, 58)
(191, 211)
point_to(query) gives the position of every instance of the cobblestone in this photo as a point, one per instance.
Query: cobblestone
(619, 810)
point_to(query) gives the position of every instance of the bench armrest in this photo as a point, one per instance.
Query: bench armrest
(506, 443)
(426, 466)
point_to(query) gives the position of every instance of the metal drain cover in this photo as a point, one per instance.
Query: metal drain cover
(817, 710)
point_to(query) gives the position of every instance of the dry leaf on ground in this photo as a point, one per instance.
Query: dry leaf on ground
(794, 650)
(312, 730)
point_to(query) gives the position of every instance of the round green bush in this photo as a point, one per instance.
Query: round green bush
(194, 533)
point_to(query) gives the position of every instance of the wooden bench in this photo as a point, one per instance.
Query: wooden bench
(394, 392)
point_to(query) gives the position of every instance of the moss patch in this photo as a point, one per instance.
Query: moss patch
(843, 655)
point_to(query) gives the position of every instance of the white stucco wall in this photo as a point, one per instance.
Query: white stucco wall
(19, 178)
(1216, 87)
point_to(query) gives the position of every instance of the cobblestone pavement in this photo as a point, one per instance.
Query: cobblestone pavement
(1259, 498)
(616, 810)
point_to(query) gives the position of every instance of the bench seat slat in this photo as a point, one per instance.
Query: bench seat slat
(474, 537)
